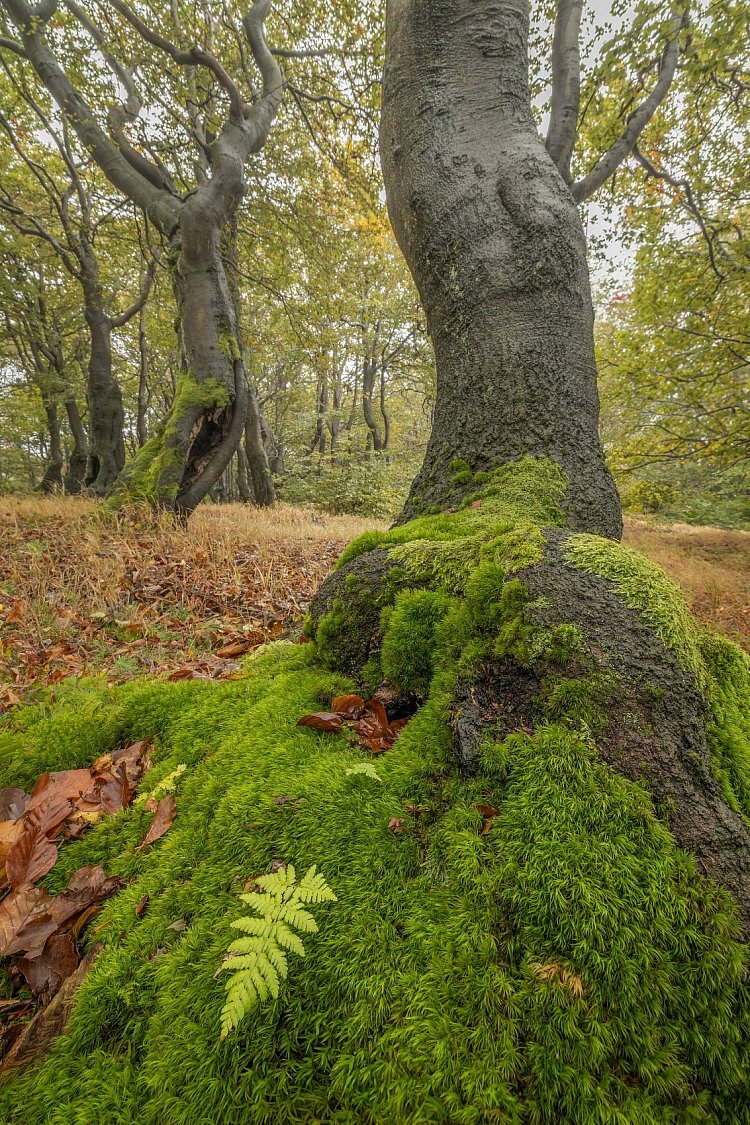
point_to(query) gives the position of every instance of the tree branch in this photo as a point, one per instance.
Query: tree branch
(195, 56)
(566, 85)
(157, 202)
(639, 118)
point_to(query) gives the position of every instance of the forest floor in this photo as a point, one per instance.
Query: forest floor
(81, 596)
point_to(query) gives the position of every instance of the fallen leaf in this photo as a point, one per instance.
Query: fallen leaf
(57, 961)
(142, 906)
(396, 825)
(162, 822)
(322, 720)
(30, 858)
(348, 706)
(487, 810)
(15, 911)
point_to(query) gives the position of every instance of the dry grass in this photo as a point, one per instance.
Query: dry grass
(711, 565)
(86, 594)
(83, 594)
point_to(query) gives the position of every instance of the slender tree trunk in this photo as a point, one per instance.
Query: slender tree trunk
(78, 460)
(493, 239)
(261, 474)
(369, 375)
(53, 473)
(106, 415)
(243, 480)
(143, 373)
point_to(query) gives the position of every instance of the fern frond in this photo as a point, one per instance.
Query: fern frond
(258, 961)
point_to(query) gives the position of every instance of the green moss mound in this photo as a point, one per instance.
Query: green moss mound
(554, 959)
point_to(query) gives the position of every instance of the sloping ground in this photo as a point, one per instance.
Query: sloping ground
(566, 965)
(524, 943)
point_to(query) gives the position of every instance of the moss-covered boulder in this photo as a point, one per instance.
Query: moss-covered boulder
(541, 888)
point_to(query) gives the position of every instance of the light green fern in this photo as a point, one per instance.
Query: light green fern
(366, 769)
(259, 961)
(167, 784)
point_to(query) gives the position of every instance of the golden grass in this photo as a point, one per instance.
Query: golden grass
(711, 565)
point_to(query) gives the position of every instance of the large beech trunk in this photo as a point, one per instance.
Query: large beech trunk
(493, 239)
(491, 233)
(208, 416)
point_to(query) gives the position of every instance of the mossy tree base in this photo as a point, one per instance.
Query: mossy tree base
(570, 964)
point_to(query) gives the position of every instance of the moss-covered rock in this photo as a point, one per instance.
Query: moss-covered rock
(526, 929)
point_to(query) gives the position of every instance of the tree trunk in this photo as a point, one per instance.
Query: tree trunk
(106, 416)
(493, 239)
(78, 460)
(143, 372)
(53, 473)
(551, 631)
(255, 450)
(243, 479)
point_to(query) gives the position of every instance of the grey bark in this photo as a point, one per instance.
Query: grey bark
(78, 459)
(493, 239)
(106, 415)
(53, 472)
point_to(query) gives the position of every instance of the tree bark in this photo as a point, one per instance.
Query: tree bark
(53, 473)
(493, 239)
(78, 460)
(106, 415)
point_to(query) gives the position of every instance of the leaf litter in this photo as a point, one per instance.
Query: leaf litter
(368, 719)
(40, 932)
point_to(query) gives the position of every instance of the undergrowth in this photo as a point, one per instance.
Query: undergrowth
(558, 959)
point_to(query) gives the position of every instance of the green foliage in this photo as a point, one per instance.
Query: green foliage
(361, 486)
(259, 962)
(364, 769)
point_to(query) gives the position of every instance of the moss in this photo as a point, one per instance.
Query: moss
(561, 960)
(446, 564)
(728, 727)
(408, 650)
(568, 964)
(581, 703)
(155, 473)
(645, 588)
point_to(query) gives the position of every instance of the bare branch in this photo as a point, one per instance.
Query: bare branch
(566, 85)
(12, 45)
(140, 301)
(195, 56)
(639, 118)
(263, 112)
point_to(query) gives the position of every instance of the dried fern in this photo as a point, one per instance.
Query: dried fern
(258, 962)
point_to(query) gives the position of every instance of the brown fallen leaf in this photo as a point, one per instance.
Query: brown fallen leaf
(142, 906)
(487, 810)
(348, 706)
(322, 720)
(30, 858)
(87, 886)
(15, 911)
(57, 961)
(396, 825)
(165, 813)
